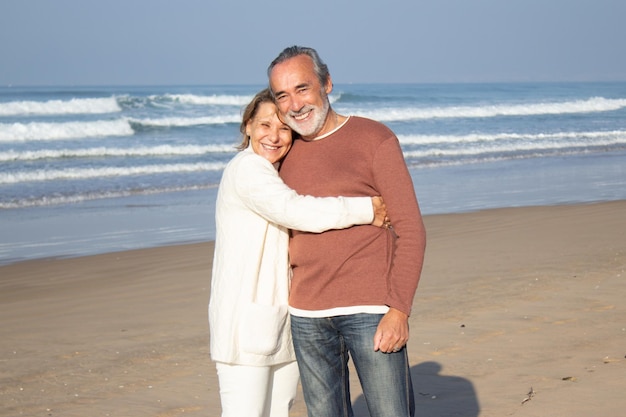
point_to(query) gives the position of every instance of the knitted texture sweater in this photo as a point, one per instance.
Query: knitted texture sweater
(254, 208)
(361, 265)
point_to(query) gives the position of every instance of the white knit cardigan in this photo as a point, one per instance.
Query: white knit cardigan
(254, 211)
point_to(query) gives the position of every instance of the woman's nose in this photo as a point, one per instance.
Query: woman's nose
(273, 135)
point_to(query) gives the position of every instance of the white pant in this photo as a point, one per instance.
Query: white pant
(257, 391)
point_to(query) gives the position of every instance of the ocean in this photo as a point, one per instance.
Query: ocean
(87, 170)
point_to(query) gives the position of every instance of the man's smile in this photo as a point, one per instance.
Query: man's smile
(302, 115)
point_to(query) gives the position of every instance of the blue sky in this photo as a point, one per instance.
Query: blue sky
(121, 42)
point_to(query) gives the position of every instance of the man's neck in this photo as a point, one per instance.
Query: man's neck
(333, 121)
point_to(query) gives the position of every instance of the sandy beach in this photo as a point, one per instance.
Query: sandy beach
(520, 312)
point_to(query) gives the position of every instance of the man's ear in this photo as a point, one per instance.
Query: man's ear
(329, 85)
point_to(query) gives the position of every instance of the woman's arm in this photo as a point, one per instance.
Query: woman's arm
(260, 187)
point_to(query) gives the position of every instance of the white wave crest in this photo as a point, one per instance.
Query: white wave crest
(73, 106)
(514, 148)
(614, 137)
(592, 105)
(82, 197)
(214, 100)
(187, 121)
(20, 132)
(162, 150)
(88, 173)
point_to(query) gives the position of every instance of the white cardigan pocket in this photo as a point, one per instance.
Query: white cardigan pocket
(261, 328)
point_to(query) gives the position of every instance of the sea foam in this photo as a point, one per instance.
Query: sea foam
(58, 107)
(101, 151)
(89, 173)
(20, 132)
(592, 105)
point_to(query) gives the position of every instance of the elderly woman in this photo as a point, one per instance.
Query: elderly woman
(249, 325)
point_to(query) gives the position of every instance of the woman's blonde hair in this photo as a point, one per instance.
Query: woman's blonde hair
(263, 96)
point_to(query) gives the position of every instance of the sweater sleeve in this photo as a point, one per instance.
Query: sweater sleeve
(394, 183)
(264, 192)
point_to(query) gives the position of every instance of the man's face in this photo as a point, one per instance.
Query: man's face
(302, 101)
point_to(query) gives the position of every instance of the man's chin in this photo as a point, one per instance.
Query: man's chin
(301, 128)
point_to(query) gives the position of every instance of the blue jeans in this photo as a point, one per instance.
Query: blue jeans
(323, 347)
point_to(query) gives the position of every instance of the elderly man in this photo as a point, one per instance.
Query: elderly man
(352, 289)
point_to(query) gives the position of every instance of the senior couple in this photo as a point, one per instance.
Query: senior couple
(306, 264)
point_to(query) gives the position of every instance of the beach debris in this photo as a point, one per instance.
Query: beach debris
(530, 395)
(569, 378)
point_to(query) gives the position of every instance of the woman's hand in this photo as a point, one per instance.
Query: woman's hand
(380, 212)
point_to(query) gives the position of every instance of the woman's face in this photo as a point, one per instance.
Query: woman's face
(269, 137)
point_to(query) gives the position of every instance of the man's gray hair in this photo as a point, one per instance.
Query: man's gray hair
(321, 69)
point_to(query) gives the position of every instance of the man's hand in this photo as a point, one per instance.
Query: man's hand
(393, 332)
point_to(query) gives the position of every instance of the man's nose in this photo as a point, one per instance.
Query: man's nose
(295, 105)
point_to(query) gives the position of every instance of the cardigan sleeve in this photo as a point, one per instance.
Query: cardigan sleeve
(263, 191)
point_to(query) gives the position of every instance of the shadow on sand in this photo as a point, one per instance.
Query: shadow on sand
(435, 395)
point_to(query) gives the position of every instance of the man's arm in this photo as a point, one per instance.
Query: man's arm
(396, 188)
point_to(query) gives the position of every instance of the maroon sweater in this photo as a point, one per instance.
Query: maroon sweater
(362, 265)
